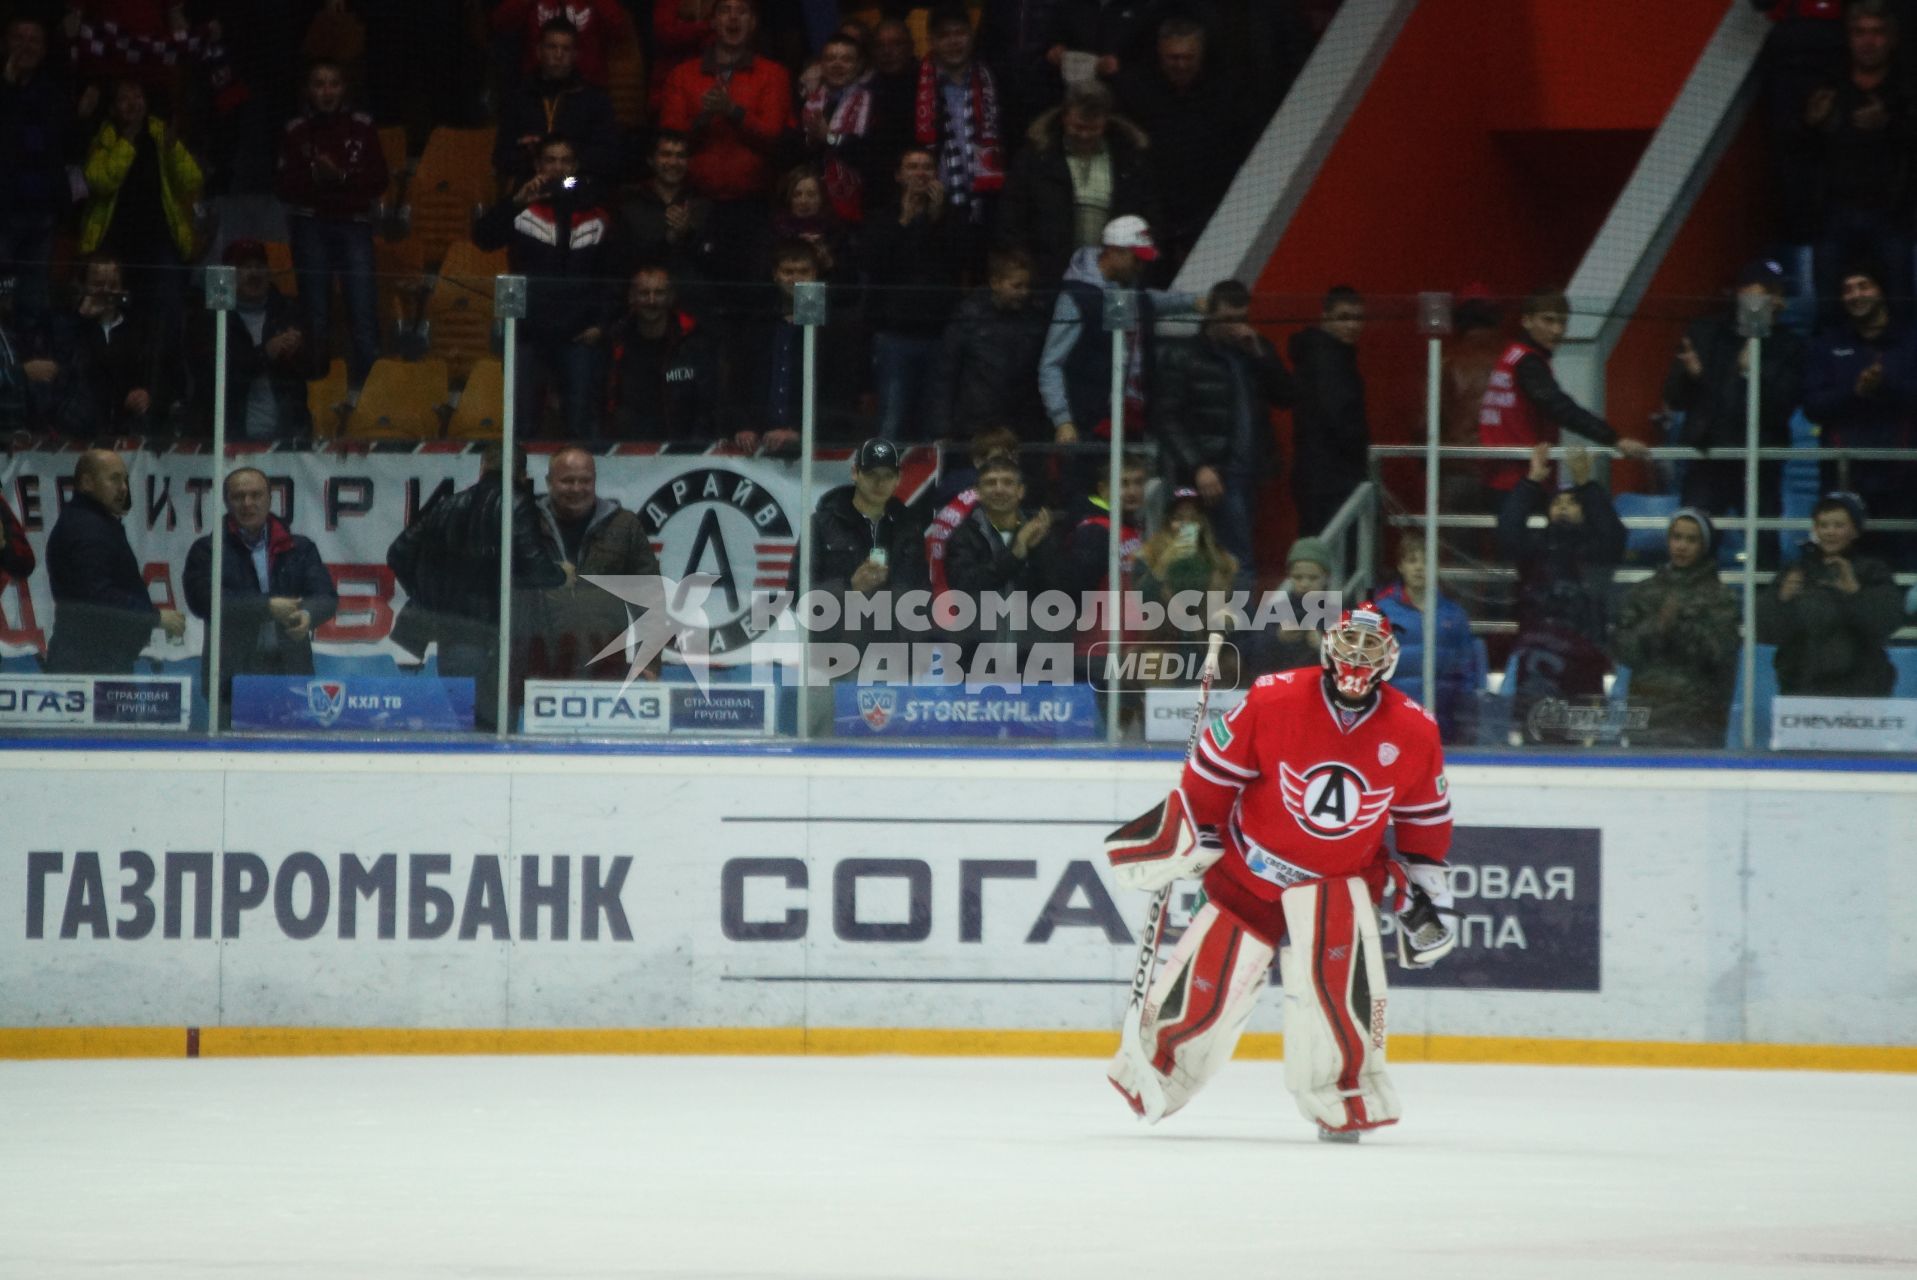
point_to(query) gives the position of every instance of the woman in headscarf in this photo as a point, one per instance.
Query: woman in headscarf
(1677, 632)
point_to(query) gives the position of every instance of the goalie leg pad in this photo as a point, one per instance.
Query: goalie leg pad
(1333, 971)
(1194, 1014)
(1159, 846)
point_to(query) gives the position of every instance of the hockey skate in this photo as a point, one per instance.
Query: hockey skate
(1348, 1136)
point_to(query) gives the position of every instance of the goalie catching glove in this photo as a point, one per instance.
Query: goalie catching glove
(1161, 845)
(1425, 935)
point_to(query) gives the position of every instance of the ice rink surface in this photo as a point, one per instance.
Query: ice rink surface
(968, 1169)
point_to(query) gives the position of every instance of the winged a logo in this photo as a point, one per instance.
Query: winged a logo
(1332, 800)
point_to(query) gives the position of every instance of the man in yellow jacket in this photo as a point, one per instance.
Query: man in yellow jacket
(142, 185)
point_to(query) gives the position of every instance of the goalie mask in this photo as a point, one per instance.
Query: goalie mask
(1359, 653)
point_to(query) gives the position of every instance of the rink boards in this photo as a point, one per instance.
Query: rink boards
(243, 902)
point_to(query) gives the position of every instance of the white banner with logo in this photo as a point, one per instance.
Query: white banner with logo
(543, 889)
(28, 703)
(734, 518)
(1844, 724)
(1168, 712)
(608, 709)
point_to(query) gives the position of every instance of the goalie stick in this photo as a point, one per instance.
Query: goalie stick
(1159, 909)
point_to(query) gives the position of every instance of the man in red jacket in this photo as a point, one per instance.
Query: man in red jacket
(332, 176)
(734, 106)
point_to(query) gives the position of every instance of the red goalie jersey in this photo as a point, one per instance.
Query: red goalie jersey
(1302, 789)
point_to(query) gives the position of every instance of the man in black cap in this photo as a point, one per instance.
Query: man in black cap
(1708, 382)
(864, 541)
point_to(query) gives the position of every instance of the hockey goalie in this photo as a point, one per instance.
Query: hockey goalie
(1282, 810)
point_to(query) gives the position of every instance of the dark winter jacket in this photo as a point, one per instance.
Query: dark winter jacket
(33, 181)
(986, 372)
(1831, 643)
(246, 361)
(1865, 168)
(568, 625)
(1124, 28)
(1683, 669)
(642, 220)
(912, 271)
(351, 141)
(103, 616)
(579, 112)
(1212, 404)
(765, 360)
(98, 369)
(843, 539)
(978, 560)
(1330, 431)
(1564, 570)
(668, 389)
(1038, 212)
(251, 643)
(563, 244)
(447, 561)
(1199, 136)
(1880, 420)
(1714, 403)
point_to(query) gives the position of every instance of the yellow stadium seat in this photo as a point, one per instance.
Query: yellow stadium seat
(279, 260)
(481, 411)
(459, 311)
(626, 82)
(401, 400)
(455, 175)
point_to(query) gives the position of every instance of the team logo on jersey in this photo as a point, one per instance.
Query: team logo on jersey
(1332, 800)
(1443, 786)
(1387, 754)
(1220, 733)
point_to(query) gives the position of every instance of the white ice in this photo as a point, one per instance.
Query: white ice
(968, 1169)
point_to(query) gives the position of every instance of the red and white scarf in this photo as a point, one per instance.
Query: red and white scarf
(970, 163)
(844, 185)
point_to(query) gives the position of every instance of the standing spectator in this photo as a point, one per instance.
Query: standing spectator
(1458, 673)
(1331, 433)
(557, 235)
(1709, 383)
(765, 369)
(447, 562)
(959, 486)
(275, 591)
(681, 30)
(1831, 613)
(332, 177)
(598, 27)
(142, 185)
(836, 120)
(33, 180)
(103, 616)
(666, 380)
(1469, 360)
(956, 116)
(895, 87)
(1198, 129)
(16, 553)
(1002, 548)
(1859, 386)
(662, 220)
(1677, 632)
(1860, 130)
(265, 357)
(1213, 414)
(559, 100)
(1309, 566)
(800, 211)
(117, 368)
(1524, 404)
(735, 106)
(1088, 548)
(567, 626)
(1082, 167)
(986, 371)
(912, 266)
(1115, 32)
(1564, 581)
(1075, 371)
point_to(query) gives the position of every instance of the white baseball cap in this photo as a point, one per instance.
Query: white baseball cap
(1131, 232)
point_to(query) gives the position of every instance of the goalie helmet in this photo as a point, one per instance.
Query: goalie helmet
(1360, 652)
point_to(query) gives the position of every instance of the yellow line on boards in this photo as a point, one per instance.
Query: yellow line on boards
(254, 1042)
